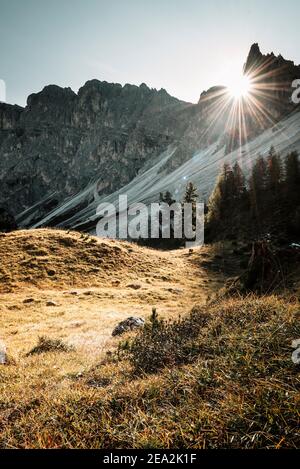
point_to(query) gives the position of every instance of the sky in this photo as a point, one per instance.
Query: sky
(184, 46)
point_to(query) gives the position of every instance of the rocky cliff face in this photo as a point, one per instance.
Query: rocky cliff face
(61, 141)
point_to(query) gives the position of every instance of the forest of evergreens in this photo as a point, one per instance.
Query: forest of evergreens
(267, 203)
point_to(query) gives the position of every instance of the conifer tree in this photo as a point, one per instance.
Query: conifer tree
(215, 202)
(258, 186)
(191, 194)
(166, 198)
(274, 172)
(292, 176)
(267, 203)
(292, 192)
(190, 197)
(221, 202)
(239, 181)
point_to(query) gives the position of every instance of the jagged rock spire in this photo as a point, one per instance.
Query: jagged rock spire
(254, 57)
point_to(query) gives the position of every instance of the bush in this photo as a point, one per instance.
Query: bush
(164, 344)
(45, 344)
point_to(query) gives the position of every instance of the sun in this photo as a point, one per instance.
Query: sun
(240, 87)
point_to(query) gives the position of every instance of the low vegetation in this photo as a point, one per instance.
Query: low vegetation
(222, 377)
(46, 344)
(219, 374)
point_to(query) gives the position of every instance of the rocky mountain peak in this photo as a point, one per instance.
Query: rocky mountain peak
(51, 94)
(211, 94)
(270, 67)
(254, 57)
(62, 141)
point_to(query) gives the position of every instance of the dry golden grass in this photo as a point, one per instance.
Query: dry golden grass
(47, 258)
(240, 389)
(97, 283)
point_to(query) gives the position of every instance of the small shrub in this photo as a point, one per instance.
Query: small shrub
(163, 344)
(45, 344)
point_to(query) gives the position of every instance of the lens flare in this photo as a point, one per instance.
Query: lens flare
(240, 87)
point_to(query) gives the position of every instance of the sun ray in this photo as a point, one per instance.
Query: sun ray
(240, 87)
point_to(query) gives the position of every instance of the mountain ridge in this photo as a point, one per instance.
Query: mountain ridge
(62, 141)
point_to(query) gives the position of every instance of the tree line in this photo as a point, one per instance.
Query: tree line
(172, 241)
(265, 203)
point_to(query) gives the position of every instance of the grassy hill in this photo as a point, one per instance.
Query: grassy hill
(52, 258)
(216, 373)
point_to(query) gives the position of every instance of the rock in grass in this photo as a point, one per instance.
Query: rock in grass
(127, 325)
(27, 301)
(134, 286)
(296, 357)
(296, 354)
(296, 343)
(3, 356)
(51, 303)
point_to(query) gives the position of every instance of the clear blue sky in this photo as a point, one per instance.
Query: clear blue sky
(184, 46)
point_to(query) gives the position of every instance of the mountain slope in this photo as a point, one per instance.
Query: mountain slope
(202, 168)
(68, 150)
(63, 140)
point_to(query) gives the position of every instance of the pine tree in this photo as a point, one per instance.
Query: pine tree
(214, 214)
(191, 194)
(222, 201)
(258, 187)
(274, 172)
(269, 202)
(239, 181)
(167, 198)
(291, 192)
(292, 175)
(190, 197)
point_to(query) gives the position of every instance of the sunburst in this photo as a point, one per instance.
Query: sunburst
(240, 87)
(246, 104)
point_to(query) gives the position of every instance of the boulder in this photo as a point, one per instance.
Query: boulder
(51, 303)
(296, 353)
(296, 357)
(127, 325)
(134, 286)
(3, 356)
(27, 301)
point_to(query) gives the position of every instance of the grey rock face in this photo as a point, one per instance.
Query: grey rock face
(62, 141)
(127, 325)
